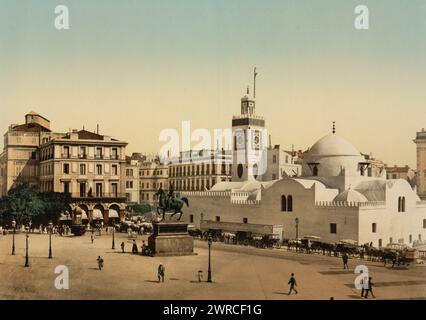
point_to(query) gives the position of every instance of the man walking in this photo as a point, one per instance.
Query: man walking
(122, 247)
(345, 259)
(369, 288)
(293, 284)
(161, 273)
(100, 263)
(92, 238)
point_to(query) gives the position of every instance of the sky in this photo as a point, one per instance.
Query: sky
(138, 67)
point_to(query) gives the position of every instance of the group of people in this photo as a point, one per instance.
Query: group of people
(145, 251)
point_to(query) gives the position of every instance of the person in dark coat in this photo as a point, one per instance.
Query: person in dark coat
(100, 263)
(345, 259)
(134, 247)
(161, 273)
(293, 284)
(122, 247)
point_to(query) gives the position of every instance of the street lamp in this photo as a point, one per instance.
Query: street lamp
(50, 239)
(27, 262)
(113, 237)
(297, 233)
(13, 239)
(209, 272)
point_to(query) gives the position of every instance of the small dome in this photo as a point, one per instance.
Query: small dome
(333, 145)
(350, 195)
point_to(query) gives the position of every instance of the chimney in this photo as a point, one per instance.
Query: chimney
(270, 142)
(97, 129)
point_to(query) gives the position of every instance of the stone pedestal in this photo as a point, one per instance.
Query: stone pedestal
(171, 239)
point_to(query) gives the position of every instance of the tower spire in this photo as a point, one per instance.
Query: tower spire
(254, 82)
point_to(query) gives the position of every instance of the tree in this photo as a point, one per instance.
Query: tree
(54, 203)
(3, 209)
(24, 203)
(141, 208)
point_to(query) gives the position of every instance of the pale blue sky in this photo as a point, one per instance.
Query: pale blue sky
(137, 67)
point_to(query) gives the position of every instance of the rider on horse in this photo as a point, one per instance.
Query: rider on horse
(170, 197)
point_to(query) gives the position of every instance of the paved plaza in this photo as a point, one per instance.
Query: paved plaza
(238, 273)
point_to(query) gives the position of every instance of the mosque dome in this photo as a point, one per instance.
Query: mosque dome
(332, 156)
(333, 145)
(350, 195)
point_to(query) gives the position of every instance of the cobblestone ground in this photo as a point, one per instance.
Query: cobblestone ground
(238, 273)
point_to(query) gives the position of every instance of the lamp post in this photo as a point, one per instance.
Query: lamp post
(50, 239)
(297, 233)
(13, 237)
(27, 262)
(113, 237)
(209, 272)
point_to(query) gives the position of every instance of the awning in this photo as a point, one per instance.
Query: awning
(113, 214)
(97, 214)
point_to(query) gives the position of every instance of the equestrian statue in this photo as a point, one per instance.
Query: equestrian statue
(170, 203)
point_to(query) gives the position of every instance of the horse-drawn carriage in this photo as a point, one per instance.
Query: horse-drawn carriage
(260, 236)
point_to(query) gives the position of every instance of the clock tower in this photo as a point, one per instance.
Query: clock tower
(249, 137)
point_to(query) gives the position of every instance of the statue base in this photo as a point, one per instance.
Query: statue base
(171, 239)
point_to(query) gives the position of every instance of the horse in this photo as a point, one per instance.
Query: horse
(176, 206)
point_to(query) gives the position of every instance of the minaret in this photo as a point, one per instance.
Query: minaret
(420, 142)
(249, 141)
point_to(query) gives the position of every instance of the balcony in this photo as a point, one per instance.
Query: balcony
(82, 156)
(99, 156)
(114, 157)
(66, 156)
(105, 196)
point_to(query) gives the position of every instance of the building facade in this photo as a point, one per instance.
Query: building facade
(152, 175)
(200, 169)
(19, 161)
(91, 168)
(133, 164)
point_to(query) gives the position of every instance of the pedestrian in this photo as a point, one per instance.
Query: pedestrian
(369, 288)
(92, 237)
(200, 275)
(292, 283)
(161, 273)
(100, 263)
(345, 259)
(364, 285)
(122, 247)
(134, 247)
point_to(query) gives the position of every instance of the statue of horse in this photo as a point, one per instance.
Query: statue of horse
(176, 205)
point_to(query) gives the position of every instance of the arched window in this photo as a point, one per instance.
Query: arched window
(403, 204)
(315, 171)
(283, 203)
(399, 204)
(290, 204)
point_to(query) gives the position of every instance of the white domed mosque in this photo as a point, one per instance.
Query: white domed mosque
(337, 197)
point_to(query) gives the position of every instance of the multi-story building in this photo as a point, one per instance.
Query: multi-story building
(19, 161)
(420, 141)
(90, 167)
(200, 170)
(152, 175)
(133, 164)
